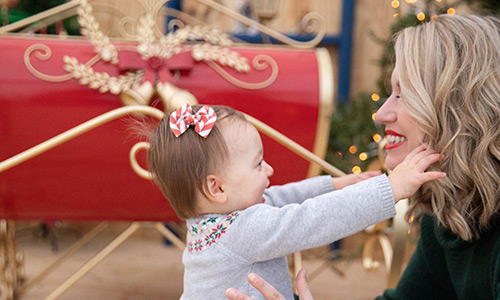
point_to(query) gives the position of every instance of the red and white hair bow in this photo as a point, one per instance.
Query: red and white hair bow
(203, 120)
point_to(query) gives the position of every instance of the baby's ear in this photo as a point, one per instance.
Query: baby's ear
(215, 190)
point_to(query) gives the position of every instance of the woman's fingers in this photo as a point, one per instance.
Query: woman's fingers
(234, 294)
(302, 287)
(267, 290)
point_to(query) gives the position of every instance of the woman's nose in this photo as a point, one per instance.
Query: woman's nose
(386, 113)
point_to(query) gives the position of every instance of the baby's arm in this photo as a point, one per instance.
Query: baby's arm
(265, 232)
(343, 181)
(268, 232)
(298, 192)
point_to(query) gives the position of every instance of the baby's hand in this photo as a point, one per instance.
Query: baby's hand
(343, 181)
(410, 174)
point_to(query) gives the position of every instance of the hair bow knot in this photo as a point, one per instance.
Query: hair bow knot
(203, 120)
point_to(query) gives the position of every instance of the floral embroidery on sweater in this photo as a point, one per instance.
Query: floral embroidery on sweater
(205, 232)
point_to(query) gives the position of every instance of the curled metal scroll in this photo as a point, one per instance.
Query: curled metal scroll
(43, 52)
(313, 21)
(260, 62)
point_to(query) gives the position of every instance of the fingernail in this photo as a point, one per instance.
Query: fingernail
(252, 277)
(230, 293)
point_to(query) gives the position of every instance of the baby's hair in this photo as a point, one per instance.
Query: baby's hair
(180, 165)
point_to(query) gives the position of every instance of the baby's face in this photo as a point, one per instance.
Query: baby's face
(247, 173)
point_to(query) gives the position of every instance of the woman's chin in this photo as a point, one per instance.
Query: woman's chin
(391, 162)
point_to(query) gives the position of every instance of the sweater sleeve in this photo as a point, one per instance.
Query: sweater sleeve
(426, 276)
(265, 232)
(298, 192)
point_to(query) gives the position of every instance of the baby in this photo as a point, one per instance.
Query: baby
(210, 166)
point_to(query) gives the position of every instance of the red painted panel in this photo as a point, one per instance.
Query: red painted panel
(90, 178)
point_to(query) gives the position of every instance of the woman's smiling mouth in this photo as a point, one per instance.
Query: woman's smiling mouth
(394, 139)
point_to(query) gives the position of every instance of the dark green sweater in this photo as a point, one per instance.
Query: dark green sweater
(447, 267)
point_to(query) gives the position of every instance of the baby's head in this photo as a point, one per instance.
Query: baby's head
(221, 172)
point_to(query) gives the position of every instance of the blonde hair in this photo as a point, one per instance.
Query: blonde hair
(450, 84)
(180, 165)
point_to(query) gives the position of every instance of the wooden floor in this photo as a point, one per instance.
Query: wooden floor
(145, 268)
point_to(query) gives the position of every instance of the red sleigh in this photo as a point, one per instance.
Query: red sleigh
(62, 184)
(66, 106)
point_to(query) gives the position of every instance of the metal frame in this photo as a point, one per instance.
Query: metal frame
(342, 41)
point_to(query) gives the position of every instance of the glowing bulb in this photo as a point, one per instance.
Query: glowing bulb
(373, 116)
(353, 149)
(377, 137)
(434, 17)
(356, 170)
(395, 15)
(421, 16)
(409, 231)
(451, 11)
(438, 0)
(363, 156)
(375, 97)
(395, 4)
(411, 219)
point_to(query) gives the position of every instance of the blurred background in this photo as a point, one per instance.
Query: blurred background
(357, 35)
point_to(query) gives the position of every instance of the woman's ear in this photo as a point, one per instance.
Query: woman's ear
(215, 190)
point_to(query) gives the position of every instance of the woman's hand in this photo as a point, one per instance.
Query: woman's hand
(268, 291)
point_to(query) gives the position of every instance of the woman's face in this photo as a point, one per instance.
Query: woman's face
(402, 133)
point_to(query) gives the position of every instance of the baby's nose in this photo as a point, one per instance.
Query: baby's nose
(269, 170)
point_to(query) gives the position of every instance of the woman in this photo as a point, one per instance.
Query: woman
(446, 93)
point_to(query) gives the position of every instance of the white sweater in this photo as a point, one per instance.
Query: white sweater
(223, 249)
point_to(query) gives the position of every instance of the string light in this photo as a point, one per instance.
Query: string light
(438, 0)
(375, 97)
(451, 11)
(373, 116)
(363, 156)
(395, 4)
(421, 16)
(356, 170)
(434, 17)
(395, 15)
(353, 149)
(377, 137)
